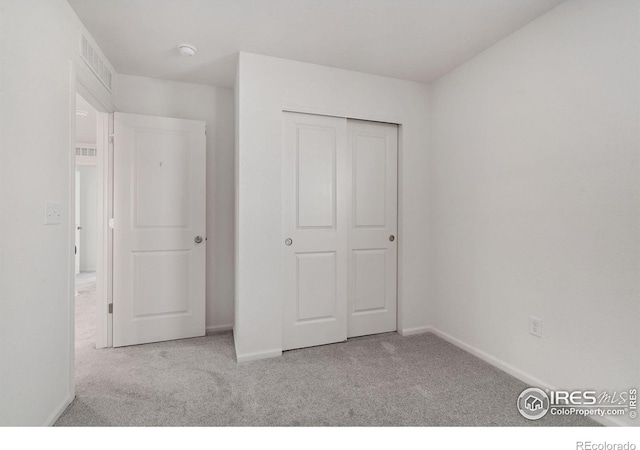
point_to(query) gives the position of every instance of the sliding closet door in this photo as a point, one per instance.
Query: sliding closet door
(372, 242)
(314, 240)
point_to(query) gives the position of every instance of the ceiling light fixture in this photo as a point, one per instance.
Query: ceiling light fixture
(82, 113)
(187, 50)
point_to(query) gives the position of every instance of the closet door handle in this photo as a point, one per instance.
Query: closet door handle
(288, 242)
(392, 238)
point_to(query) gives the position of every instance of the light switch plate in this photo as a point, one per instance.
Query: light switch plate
(52, 213)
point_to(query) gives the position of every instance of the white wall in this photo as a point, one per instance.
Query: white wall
(86, 126)
(265, 86)
(140, 95)
(534, 185)
(38, 41)
(88, 217)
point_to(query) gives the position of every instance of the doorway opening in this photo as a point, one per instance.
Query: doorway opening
(90, 156)
(86, 223)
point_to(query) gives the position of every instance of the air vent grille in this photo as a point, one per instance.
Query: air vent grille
(86, 151)
(95, 62)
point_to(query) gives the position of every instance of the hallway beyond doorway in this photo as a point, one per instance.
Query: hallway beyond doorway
(85, 313)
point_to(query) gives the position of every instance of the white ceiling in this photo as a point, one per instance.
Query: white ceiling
(85, 126)
(416, 40)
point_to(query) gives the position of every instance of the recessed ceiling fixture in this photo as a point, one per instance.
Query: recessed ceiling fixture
(82, 113)
(187, 50)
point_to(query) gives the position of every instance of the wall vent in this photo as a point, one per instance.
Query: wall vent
(86, 151)
(95, 62)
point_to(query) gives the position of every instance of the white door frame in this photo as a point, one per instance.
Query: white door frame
(82, 81)
(76, 247)
(373, 117)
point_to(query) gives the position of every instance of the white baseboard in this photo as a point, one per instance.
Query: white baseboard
(259, 355)
(414, 330)
(496, 362)
(58, 412)
(216, 328)
(514, 371)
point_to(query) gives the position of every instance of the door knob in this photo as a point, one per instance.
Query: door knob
(198, 239)
(392, 238)
(78, 228)
(288, 242)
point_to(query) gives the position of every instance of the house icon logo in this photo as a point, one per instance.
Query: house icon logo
(533, 403)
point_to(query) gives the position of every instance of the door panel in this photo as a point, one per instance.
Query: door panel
(372, 255)
(369, 180)
(316, 177)
(314, 218)
(161, 196)
(159, 209)
(316, 280)
(152, 298)
(369, 280)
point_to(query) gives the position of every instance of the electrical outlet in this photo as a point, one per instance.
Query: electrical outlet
(52, 213)
(535, 326)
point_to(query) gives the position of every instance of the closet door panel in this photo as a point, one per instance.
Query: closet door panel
(315, 215)
(372, 242)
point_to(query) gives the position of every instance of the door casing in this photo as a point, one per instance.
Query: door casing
(77, 222)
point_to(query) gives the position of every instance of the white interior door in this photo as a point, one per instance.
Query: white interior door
(373, 223)
(77, 224)
(159, 241)
(315, 215)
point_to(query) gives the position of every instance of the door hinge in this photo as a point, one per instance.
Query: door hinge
(110, 308)
(110, 223)
(111, 138)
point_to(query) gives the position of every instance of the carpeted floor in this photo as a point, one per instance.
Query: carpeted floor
(377, 380)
